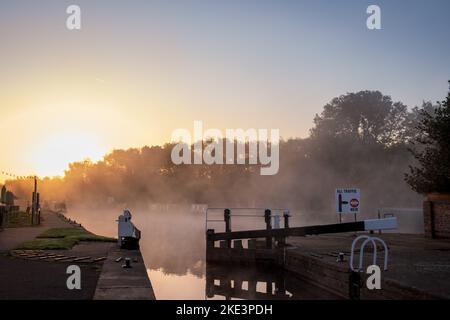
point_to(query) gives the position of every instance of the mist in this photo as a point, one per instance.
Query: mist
(360, 140)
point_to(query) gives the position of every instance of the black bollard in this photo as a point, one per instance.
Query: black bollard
(127, 264)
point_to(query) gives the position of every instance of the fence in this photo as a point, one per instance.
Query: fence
(231, 248)
(271, 221)
(8, 213)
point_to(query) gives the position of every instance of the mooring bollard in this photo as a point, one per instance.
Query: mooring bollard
(127, 264)
(268, 220)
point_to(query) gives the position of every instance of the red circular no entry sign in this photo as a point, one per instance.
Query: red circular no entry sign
(354, 203)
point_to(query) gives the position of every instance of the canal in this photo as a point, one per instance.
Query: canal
(173, 248)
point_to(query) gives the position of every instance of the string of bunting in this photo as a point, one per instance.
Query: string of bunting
(13, 175)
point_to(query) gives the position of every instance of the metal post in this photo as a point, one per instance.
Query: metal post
(227, 218)
(379, 217)
(34, 202)
(286, 218)
(38, 209)
(282, 241)
(268, 220)
(33, 196)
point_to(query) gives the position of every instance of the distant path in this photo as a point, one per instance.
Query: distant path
(10, 238)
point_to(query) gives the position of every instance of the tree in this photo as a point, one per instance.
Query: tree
(366, 116)
(415, 117)
(432, 151)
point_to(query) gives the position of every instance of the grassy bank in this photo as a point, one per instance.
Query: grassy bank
(61, 238)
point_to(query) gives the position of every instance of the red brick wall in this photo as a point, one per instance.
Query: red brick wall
(436, 213)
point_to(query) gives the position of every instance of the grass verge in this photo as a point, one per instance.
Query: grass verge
(61, 238)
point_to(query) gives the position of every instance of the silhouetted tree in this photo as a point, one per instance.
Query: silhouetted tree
(432, 151)
(365, 116)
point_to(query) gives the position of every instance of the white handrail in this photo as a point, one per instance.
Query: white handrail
(361, 251)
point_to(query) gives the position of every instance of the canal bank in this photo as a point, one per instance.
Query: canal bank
(30, 271)
(34, 261)
(119, 281)
(124, 275)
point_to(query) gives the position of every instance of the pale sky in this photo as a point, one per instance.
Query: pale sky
(140, 69)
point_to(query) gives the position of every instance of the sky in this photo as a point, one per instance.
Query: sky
(138, 70)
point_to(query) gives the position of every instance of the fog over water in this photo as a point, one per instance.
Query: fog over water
(173, 240)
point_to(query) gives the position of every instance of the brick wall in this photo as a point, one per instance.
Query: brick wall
(436, 214)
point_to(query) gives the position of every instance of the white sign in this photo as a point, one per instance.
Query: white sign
(347, 200)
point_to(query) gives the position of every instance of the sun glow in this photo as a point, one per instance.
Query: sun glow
(52, 156)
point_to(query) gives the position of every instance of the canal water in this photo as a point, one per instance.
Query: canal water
(173, 248)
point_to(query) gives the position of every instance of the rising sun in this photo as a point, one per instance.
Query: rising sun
(52, 155)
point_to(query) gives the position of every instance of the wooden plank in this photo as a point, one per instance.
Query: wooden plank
(100, 259)
(64, 258)
(80, 259)
(286, 232)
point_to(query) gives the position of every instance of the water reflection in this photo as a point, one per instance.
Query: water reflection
(256, 283)
(173, 248)
(247, 283)
(177, 286)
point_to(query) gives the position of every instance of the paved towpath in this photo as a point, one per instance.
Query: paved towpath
(10, 238)
(32, 279)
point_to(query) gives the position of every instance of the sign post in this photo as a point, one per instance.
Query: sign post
(347, 201)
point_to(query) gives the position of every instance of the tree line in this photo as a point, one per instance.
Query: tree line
(361, 139)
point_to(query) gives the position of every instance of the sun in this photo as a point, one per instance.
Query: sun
(52, 155)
